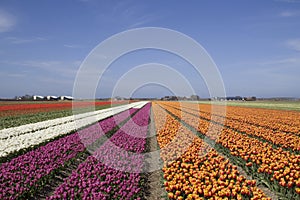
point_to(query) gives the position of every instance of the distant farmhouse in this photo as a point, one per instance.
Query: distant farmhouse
(66, 98)
(52, 98)
(37, 97)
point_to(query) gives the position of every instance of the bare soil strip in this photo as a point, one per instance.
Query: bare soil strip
(58, 179)
(154, 187)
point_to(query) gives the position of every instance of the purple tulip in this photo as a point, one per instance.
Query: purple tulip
(24, 172)
(108, 171)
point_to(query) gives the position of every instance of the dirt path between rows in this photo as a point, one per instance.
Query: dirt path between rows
(154, 185)
(49, 188)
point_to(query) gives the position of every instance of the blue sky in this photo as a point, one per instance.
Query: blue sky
(255, 44)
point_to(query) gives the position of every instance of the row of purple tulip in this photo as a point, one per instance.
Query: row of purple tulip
(26, 172)
(112, 172)
(92, 133)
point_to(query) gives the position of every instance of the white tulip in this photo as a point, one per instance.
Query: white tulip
(29, 135)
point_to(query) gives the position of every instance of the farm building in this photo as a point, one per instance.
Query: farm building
(66, 98)
(52, 98)
(38, 97)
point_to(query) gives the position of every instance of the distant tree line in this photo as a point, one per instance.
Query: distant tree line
(197, 98)
(179, 98)
(236, 98)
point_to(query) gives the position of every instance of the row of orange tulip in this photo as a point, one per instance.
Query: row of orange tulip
(192, 170)
(286, 121)
(276, 163)
(284, 140)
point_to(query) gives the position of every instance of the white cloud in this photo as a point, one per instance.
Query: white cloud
(15, 40)
(289, 1)
(16, 75)
(289, 13)
(63, 68)
(7, 21)
(267, 78)
(73, 46)
(274, 65)
(12, 74)
(127, 14)
(294, 44)
(277, 65)
(143, 20)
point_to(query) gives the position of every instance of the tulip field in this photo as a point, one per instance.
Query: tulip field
(205, 153)
(253, 139)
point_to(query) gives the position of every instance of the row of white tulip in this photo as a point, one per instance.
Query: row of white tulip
(17, 138)
(32, 127)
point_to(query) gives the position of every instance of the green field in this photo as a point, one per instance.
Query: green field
(278, 105)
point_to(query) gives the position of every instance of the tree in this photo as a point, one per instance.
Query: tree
(195, 97)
